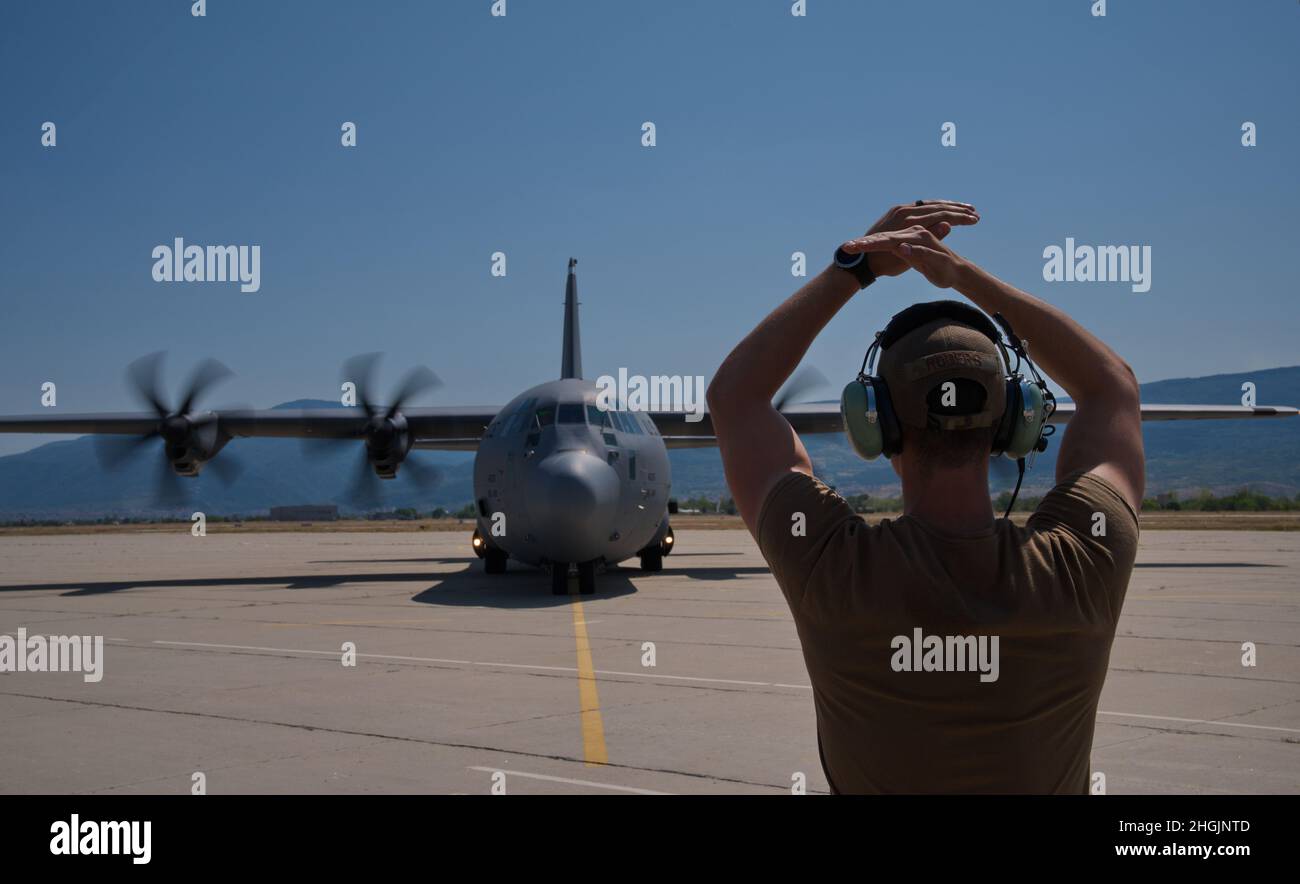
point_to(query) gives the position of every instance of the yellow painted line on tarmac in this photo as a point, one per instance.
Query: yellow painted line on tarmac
(593, 729)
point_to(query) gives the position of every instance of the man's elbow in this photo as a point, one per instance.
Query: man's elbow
(716, 395)
(1120, 392)
(1127, 383)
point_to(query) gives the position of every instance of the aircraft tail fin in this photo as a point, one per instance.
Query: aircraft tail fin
(571, 364)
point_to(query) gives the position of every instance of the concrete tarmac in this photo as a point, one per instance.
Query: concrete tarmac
(224, 656)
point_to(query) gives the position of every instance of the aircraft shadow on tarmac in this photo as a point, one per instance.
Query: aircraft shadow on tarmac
(275, 581)
(517, 588)
(530, 587)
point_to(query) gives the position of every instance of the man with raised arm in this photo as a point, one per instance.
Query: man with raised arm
(949, 650)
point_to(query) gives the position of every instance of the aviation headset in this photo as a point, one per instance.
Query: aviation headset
(872, 424)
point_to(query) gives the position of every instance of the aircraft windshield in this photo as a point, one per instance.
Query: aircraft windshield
(571, 413)
(596, 417)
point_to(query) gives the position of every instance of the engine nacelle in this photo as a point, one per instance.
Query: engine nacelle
(190, 441)
(388, 441)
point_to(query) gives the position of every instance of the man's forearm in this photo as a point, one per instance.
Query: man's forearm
(1084, 366)
(768, 355)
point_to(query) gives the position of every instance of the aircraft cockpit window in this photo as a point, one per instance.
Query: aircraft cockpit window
(596, 417)
(545, 416)
(571, 413)
(517, 419)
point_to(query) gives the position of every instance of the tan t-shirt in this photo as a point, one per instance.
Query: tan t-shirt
(954, 664)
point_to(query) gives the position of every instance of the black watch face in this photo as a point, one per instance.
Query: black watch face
(844, 259)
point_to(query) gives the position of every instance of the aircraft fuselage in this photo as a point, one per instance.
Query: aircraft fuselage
(558, 480)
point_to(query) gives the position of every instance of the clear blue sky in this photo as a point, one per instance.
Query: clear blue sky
(522, 134)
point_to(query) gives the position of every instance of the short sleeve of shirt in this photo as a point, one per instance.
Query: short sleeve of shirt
(1087, 514)
(798, 518)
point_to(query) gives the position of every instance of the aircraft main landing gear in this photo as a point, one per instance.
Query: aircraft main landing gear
(494, 560)
(652, 557)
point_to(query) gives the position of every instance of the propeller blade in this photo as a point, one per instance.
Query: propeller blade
(114, 452)
(226, 467)
(426, 476)
(169, 492)
(144, 376)
(206, 375)
(360, 370)
(418, 380)
(365, 490)
(802, 382)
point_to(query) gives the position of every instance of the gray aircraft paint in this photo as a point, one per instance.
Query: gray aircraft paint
(570, 492)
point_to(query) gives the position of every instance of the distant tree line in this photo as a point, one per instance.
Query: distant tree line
(723, 505)
(1243, 500)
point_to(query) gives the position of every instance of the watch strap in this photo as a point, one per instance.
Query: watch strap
(857, 264)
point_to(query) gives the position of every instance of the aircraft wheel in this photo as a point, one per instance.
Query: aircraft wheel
(560, 578)
(652, 561)
(494, 561)
(587, 578)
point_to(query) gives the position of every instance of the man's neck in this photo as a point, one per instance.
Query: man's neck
(951, 501)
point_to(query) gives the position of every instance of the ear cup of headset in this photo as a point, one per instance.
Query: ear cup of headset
(869, 420)
(861, 420)
(1006, 425)
(1027, 420)
(891, 432)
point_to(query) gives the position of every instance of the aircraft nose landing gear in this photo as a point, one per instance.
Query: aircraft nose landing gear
(560, 578)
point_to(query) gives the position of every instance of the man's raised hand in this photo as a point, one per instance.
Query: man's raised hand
(937, 216)
(916, 247)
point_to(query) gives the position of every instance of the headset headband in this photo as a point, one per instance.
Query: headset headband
(911, 318)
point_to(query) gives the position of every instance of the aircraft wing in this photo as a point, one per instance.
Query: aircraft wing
(454, 428)
(824, 417)
(460, 428)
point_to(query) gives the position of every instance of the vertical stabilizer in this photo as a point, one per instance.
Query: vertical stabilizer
(571, 366)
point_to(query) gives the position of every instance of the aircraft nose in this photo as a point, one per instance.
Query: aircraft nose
(573, 501)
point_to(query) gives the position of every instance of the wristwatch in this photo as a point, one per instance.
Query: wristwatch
(857, 265)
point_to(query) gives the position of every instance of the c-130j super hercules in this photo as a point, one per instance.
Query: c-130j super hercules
(567, 482)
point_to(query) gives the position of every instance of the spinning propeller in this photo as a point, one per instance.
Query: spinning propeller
(190, 439)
